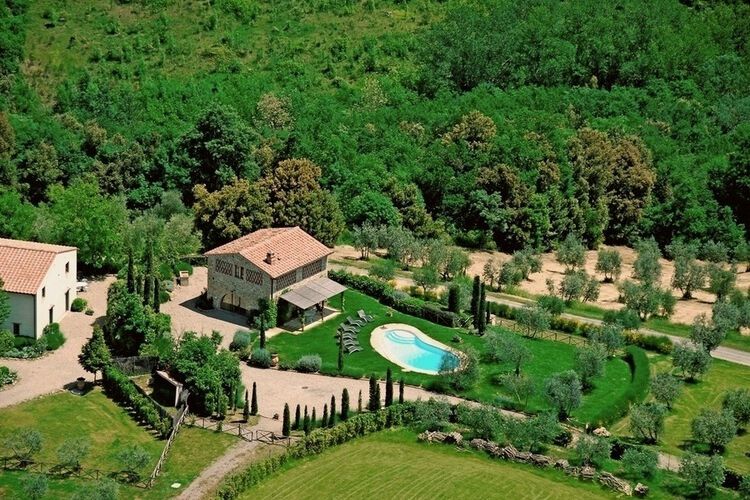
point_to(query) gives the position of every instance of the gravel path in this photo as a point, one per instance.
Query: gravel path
(54, 371)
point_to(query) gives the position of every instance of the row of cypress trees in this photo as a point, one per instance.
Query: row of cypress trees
(305, 421)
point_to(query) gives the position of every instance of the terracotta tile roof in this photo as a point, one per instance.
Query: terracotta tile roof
(24, 264)
(292, 248)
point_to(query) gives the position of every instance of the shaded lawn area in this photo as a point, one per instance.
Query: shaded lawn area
(548, 357)
(708, 392)
(109, 428)
(395, 465)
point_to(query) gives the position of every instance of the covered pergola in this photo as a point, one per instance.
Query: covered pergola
(314, 294)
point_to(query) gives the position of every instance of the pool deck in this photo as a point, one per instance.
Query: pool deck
(386, 349)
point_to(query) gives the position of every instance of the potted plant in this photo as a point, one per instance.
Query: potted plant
(274, 359)
(80, 383)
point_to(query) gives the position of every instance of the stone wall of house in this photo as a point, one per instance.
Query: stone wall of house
(233, 278)
(237, 281)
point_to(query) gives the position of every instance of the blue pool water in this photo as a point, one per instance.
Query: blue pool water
(416, 354)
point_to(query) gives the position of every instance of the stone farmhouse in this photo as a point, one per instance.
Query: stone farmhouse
(40, 280)
(281, 264)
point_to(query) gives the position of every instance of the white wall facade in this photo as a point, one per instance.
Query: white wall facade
(31, 313)
(60, 280)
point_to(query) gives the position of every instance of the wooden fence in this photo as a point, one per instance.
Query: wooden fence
(567, 338)
(175, 427)
(241, 430)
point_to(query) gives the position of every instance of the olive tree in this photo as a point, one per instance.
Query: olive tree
(609, 263)
(737, 402)
(592, 450)
(665, 388)
(647, 421)
(589, 363)
(692, 360)
(706, 333)
(505, 347)
(610, 337)
(563, 391)
(704, 474)
(533, 320)
(571, 253)
(714, 428)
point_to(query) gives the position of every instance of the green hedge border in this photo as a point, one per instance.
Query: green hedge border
(400, 301)
(640, 378)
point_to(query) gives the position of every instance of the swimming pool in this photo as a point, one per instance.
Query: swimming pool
(411, 349)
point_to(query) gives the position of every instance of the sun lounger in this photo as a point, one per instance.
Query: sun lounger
(353, 349)
(364, 316)
(355, 322)
(349, 329)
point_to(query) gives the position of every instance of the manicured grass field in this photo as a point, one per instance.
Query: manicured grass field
(393, 465)
(708, 392)
(548, 357)
(109, 428)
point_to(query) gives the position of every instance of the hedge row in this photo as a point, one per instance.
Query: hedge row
(316, 442)
(400, 301)
(636, 392)
(657, 343)
(120, 388)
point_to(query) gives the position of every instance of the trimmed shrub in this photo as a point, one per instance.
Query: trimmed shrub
(79, 304)
(656, 343)
(7, 342)
(54, 336)
(7, 376)
(260, 358)
(242, 340)
(309, 364)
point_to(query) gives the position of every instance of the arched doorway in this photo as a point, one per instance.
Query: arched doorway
(232, 302)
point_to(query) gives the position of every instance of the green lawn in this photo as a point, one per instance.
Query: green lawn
(391, 464)
(706, 393)
(549, 357)
(109, 428)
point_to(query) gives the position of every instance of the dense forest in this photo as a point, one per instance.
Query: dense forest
(497, 124)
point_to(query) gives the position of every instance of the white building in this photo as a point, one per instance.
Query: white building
(40, 280)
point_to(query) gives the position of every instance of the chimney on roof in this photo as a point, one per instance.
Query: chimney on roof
(270, 257)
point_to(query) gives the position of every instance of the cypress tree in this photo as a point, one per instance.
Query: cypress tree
(487, 312)
(475, 299)
(285, 424)
(332, 418)
(324, 422)
(481, 319)
(341, 353)
(359, 402)
(345, 404)
(246, 409)
(262, 329)
(149, 277)
(373, 385)
(388, 387)
(313, 419)
(254, 402)
(306, 422)
(297, 418)
(157, 292)
(377, 397)
(401, 391)
(131, 271)
(454, 303)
